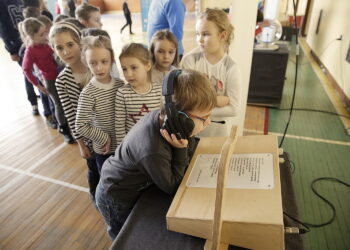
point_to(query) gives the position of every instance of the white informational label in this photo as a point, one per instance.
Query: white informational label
(246, 171)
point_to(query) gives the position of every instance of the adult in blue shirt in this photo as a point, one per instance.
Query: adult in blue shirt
(167, 14)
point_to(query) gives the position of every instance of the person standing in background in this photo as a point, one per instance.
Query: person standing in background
(41, 5)
(88, 15)
(72, 5)
(10, 16)
(127, 15)
(167, 14)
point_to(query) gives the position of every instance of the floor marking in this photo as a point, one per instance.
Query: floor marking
(46, 157)
(40, 177)
(29, 170)
(343, 143)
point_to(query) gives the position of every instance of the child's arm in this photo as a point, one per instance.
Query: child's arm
(69, 108)
(83, 120)
(233, 92)
(27, 67)
(222, 101)
(166, 169)
(84, 150)
(120, 116)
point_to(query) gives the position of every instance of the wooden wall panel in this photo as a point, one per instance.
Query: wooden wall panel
(134, 5)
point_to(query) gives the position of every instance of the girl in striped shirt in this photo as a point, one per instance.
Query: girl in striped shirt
(65, 40)
(139, 96)
(96, 106)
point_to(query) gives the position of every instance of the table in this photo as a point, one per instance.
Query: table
(267, 76)
(145, 227)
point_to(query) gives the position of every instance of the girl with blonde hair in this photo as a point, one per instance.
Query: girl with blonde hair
(214, 33)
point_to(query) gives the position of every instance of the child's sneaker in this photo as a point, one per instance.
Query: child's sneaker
(51, 122)
(35, 110)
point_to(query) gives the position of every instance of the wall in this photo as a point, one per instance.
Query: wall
(243, 17)
(215, 4)
(116, 5)
(335, 22)
(134, 5)
(51, 5)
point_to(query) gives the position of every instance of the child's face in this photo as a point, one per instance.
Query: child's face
(100, 63)
(135, 71)
(208, 36)
(94, 20)
(66, 48)
(201, 120)
(40, 37)
(164, 53)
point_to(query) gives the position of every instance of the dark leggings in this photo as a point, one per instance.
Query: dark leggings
(100, 159)
(31, 95)
(128, 22)
(59, 113)
(93, 175)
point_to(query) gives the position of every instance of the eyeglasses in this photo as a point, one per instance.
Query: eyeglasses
(204, 120)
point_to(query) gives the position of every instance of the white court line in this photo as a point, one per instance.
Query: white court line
(46, 157)
(44, 178)
(34, 166)
(343, 143)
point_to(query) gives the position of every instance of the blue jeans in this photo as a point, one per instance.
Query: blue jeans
(114, 211)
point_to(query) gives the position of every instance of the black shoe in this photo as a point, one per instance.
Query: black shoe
(68, 139)
(64, 130)
(132, 33)
(51, 122)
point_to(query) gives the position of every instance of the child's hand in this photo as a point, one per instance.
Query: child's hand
(173, 141)
(222, 101)
(84, 150)
(15, 58)
(42, 89)
(106, 147)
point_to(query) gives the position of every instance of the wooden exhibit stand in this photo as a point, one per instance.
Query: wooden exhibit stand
(250, 218)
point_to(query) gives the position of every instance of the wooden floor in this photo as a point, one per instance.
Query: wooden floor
(44, 199)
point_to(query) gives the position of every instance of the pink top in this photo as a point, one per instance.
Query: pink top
(42, 56)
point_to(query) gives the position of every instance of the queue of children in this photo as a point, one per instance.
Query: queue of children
(117, 125)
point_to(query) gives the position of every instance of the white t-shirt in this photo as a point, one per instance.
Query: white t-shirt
(225, 78)
(158, 76)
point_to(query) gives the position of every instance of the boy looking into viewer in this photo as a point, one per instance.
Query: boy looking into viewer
(150, 155)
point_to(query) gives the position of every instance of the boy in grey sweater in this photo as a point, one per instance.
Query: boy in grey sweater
(149, 155)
